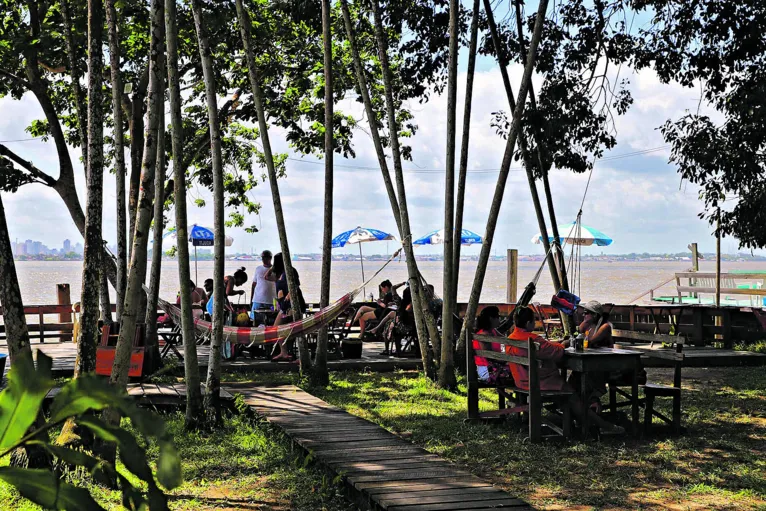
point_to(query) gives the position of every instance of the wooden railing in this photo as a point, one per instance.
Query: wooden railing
(704, 283)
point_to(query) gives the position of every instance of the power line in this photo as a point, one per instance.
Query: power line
(20, 140)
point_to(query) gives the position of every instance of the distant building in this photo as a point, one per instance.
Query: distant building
(37, 247)
(67, 246)
(29, 247)
(78, 248)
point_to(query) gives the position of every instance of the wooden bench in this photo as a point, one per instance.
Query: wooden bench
(672, 357)
(530, 401)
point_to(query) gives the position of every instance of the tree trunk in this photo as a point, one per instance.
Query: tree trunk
(194, 408)
(213, 385)
(464, 146)
(544, 170)
(523, 146)
(153, 355)
(319, 372)
(497, 199)
(71, 53)
(137, 269)
(253, 75)
(88, 337)
(372, 115)
(106, 303)
(119, 155)
(447, 363)
(16, 331)
(412, 268)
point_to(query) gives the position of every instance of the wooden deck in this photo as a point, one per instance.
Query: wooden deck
(380, 470)
(63, 355)
(157, 394)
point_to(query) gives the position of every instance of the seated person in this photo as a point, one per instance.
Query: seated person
(550, 378)
(198, 298)
(208, 289)
(285, 301)
(490, 371)
(596, 326)
(383, 310)
(232, 281)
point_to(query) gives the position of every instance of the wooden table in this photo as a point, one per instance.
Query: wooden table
(605, 360)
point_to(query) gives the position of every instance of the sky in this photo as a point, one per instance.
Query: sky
(637, 200)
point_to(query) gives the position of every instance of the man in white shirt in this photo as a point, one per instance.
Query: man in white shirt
(263, 291)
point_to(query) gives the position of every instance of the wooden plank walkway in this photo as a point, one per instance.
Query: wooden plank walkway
(381, 471)
(155, 393)
(64, 353)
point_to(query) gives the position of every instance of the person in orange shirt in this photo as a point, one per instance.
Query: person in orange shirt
(550, 354)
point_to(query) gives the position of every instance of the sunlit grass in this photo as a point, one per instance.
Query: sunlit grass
(720, 463)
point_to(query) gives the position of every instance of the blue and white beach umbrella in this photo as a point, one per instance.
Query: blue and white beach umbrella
(575, 234)
(437, 238)
(360, 235)
(199, 237)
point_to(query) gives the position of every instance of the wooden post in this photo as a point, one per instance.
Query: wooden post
(695, 265)
(512, 275)
(64, 298)
(718, 262)
(695, 258)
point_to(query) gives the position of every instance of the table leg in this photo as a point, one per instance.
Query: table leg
(634, 401)
(584, 421)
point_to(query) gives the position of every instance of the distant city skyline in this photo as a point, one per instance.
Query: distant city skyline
(31, 247)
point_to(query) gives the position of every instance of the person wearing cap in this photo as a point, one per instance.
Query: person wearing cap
(263, 291)
(596, 326)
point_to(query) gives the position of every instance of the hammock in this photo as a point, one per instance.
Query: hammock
(270, 334)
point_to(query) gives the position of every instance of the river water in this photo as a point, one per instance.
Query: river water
(614, 282)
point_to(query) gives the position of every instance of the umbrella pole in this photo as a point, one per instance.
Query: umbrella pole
(196, 275)
(361, 261)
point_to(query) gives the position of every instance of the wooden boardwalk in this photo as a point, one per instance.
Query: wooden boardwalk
(63, 355)
(155, 393)
(380, 470)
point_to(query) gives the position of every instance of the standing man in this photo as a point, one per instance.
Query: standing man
(263, 291)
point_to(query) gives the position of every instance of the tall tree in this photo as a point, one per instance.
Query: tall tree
(194, 407)
(155, 273)
(119, 154)
(91, 271)
(464, 144)
(137, 269)
(14, 320)
(213, 384)
(447, 363)
(393, 126)
(255, 84)
(319, 372)
(497, 201)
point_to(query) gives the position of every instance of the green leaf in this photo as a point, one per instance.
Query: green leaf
(132, 498)
(21, 401)
(89, 392)
(169, 466)
(131, 454)
(46, 489)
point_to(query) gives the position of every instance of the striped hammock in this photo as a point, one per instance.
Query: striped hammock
(268, 334)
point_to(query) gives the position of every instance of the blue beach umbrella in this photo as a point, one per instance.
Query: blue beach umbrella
(578, 234)
(199, 237)
(358, 236)
(437, 237)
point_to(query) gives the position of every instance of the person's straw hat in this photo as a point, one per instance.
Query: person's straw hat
(594, 307)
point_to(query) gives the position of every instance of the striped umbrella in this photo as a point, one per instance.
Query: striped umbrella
(575, 234)
(360, 235)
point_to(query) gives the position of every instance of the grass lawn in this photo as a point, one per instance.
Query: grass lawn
(245, 466)
(720, 463)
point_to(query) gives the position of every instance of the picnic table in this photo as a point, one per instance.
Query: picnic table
(605, 360)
